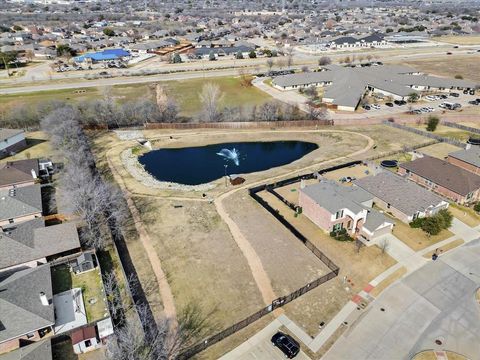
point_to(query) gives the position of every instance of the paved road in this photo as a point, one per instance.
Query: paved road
(436, 302)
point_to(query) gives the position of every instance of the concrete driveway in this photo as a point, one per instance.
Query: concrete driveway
(259, 347)
(436, 302)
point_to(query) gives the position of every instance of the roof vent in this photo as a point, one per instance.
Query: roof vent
(43, 299)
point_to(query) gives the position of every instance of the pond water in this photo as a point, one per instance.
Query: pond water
(203, 164)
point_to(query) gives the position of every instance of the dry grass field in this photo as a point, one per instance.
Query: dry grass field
(465, 214)
(203, 264)
(446, 131)
(387, 139)
(467, 66)
(460, 40)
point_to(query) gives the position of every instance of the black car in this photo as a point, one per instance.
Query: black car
(389, 104)
(474, 102)
(455, 94)
(286, 344)
(366, 107)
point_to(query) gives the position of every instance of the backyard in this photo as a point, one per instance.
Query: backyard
(92, 289)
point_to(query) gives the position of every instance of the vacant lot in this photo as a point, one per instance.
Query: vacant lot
(467, 66)
(203, 264)
(267, 235)
(387, 139)
(185, 92)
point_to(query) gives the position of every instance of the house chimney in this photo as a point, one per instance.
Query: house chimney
(34, 174)
(43, 299)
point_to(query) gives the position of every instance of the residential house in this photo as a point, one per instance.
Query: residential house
(26, 307)
(31, 243)
(20, 204)
(40, 350)
(400, 197)
(14, 174)
(468, 159)
(444, 178)
(334, 207)
(11, 140)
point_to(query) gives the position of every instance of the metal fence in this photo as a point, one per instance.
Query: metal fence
(426, 134)
(461, 127)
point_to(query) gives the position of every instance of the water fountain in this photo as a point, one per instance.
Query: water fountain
(233, 155)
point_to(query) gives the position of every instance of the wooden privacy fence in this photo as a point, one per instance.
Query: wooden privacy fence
(461, 127)
(240, 125)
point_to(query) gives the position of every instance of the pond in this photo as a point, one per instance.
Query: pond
(203, 164)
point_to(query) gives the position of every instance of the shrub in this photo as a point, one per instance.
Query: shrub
(417, 223)
(341, 235)
(433, 225)
(447, 218)
(432, 123)
(476, 207)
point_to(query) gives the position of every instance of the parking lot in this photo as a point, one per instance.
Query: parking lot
(462, 99)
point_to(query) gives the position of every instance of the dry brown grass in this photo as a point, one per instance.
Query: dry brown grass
(38, 146)
(387, 138)
(377, 290)
(203, 264)
(445, 248)
(430, 355)
(461, 40)
(417, 239)
(439, 150)
(465, 214)
(466, 65)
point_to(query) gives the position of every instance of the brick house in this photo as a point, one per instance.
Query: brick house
(26, 307)
(468, 159)
(444, 178)
(332, 207)
(400, 197)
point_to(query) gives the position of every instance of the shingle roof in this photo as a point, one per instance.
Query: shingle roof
(31, 240)
(444, 174)
(400, 193)
(375, 219)
(40, 350)
(333, 197)
(8, 133)
(21, 310)
(17, 172)
(21, 201)
(470, 156)
(349, 84)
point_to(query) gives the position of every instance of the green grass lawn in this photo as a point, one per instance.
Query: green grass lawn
(185, 92)
(91, 285)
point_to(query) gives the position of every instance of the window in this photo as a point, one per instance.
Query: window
(339, 214)
(10, 221)
(88, 343)
(337, 227)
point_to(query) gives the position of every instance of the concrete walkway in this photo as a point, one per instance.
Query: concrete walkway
(403, 254)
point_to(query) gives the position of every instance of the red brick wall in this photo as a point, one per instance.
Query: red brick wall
(464, 165)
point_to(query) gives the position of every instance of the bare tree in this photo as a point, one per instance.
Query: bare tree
(289, 52)
(211, 97)
(270, 65)
(281, 63)
(245, 78)
(316, 113)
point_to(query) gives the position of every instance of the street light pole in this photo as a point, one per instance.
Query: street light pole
(226, 182)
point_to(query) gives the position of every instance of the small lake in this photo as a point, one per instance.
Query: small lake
(203, 164)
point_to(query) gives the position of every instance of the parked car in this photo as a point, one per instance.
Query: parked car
(389, 104)
(431, 97)
(286, 344)
(416, 111)
(443, 96)
(449, 53)
(366, 107)
(455, 94)
(474, 102)
(472, 92)
(375, 106)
